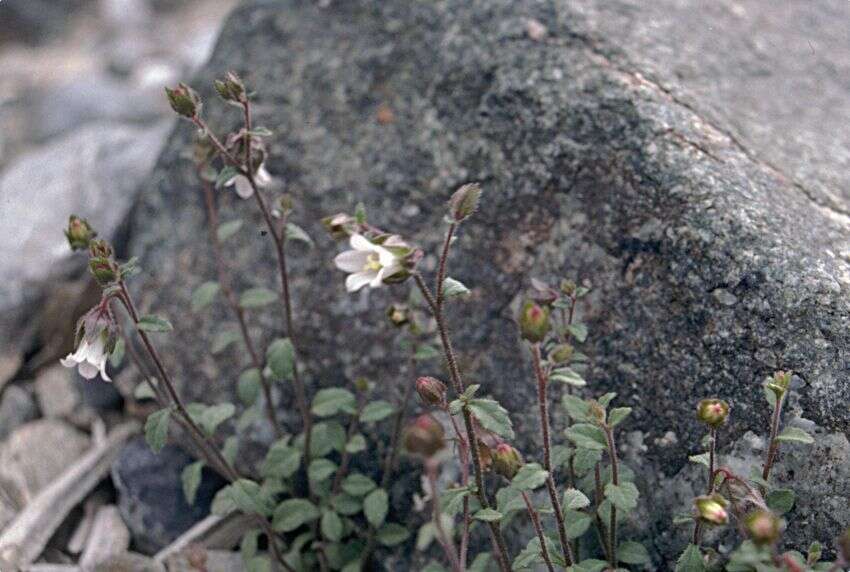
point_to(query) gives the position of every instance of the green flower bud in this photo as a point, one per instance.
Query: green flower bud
(596, 412)
(713, 412)
(340, 226)
(763, 527)
(104, 270)
(562, 353)
(184, 101)
(79, 233)
(779, 383)
(507, 461)
(399, 315)
(230, 88)
(431, 390)
(534, 321)
(100, 249)
(464, 202)
(424, 437)
(568, 287)
(712, 509)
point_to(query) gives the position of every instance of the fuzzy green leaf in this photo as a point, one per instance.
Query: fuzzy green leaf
(358, 485)
(492, 416)
(320, 470)
(780, 501)
(356, 444)
(333, 400)
(795, 435)
(331, 525)
(392, 534)
(701, 459)
(375, 507)
(257, 298)
(295, 232)
(376, 411)
(227, 229)
(156, 429)
(690, 560)
(578, 331)
(617, 415)
(151, 323)
(632, 553)
(529, 477)
(623, 496)
(452, 288)
(248, 387)
(280, 357)
(574, 498)
(223, 339)
(204, 295)
(292, 513)
(191, 479)
(282, 460)
(215, 415)
(577, 523)
(488, 515)
(569, 376)
(587, 436)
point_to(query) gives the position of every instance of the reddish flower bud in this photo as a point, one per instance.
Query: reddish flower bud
(763, 527)
(184, 101)
(79, 233)
(712, 509)
(534, 321)
(431, 390)
(713, 412)
(464, 202)
(424, 437)
(506, 461)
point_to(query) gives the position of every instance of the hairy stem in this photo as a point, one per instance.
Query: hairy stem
(500, 547)
(535, 520)
(543, 403)
(226, 283)
(444, 539)
(615, 480)
(598, 497)
(774, 432)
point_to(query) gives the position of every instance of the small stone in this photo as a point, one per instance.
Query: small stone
(725, 297)
(109, 537)
(57, 392)
(535, 29)
(129, 562)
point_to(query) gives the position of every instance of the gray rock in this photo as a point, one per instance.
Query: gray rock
(57, 391)
(16, 408)
(150, 494)
(593, 168)
(93, 172)
(35, 21)
(129, 562)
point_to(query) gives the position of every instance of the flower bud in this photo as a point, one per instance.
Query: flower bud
(533, 321)
(542, 293)
(104, 270)
(562, 353)
(506, 461)
(340, 226)
(712, 509)
(230, 88)
(763, 527)
(399, 315)
(286, 203)
(596, 412)
(713, 412)
(79, 233)
(431, 390)
(568, 287)
(779, 383)
(100, 249)
(424, 437)
(361, 384)
(184, 101)
(464, 202)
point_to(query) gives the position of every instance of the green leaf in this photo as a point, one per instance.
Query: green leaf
(280, 357)
(617, 415)
(156, 429)
(591, 565)
(606, 399)
(795, 435)
(701, 459)
(228, 229)
(230, 448)
(488, 515)
(347, 505)
(331, 526)
(425, 352)
(452, 500)
(249, 544)
(204, 295)
(321, 469)
(780, 501)
(376, 411)
(333, 400)
(482, 562)
(690, 560)
(358, 485)
(577, 523)
(223, 339)
(576, 407)
(247, 496)
(144, 390)
(587, 436)
(492, 416)
(117, 355)
(567, 375)
(452, 288)
(295, 232)
(151, 323)
(392, 534)
(248, 387)
(225, 175)
(292, 513)
(356, 444)
(326, 437)
(257, 298)
(578, 331)
(282, 460)
(632, 553)
(191, 479)
(529, 477)
(375, 507)
(623, 496)
(574, 498)
(215, 415)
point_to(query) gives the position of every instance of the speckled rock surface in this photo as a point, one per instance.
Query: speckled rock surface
(711, 268)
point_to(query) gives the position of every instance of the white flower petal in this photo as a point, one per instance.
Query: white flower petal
(360, 242)
(102, 368)
(392, 269)
(385, 257)
(69, 361)
(378, 279)
(88, 370)
(351, 260)
(356, 281)
(262, 177)
(243, 187)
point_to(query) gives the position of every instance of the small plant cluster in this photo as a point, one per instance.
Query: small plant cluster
(311, 511)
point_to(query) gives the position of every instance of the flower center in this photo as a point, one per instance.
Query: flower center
(373, 263)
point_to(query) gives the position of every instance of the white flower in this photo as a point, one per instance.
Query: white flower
(90, 358)
(367, 263)
(243, 186)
